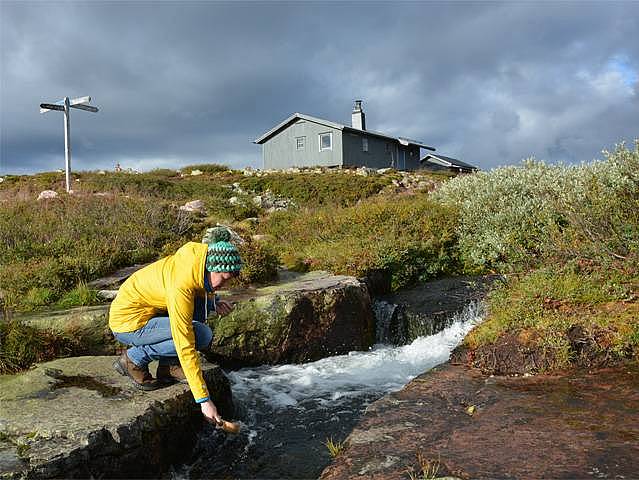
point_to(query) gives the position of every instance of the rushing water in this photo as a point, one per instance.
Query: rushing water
(289, 411)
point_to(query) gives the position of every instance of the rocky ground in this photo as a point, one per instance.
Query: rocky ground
(454, 421)
(76, 417)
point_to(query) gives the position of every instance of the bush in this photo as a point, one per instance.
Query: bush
(411, 237)
(81, 295)
(205, 168)
(512, 218)
(260, 262)
(48, 247)
(316, 189)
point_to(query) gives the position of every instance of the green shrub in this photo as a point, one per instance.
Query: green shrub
(20, 345)
(260, 262)
(316, 189)
(205, 168)
(412, 238)
(81, 295)
(602, 216)
(512, 218)
(48, 247)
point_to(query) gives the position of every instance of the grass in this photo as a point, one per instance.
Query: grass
(410, 237)
(543, 308)
(334, 448)
(81, 295)
(569, 234)
(426, 469)
(49, 248)
(318, 189)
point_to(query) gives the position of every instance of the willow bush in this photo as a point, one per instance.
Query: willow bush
(514, 217)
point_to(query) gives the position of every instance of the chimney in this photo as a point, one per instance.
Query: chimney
(358, 119)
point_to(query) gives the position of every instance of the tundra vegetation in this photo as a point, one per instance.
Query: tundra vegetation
(566, 239)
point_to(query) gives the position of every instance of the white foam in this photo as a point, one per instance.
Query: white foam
(339, 378)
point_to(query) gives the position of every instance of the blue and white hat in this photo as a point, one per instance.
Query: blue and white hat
(222, 256)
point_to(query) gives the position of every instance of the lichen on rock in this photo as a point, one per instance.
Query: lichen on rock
(311, 317)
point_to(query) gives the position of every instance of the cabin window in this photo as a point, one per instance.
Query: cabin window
(300, 142)
(326, 141)
(364, 144)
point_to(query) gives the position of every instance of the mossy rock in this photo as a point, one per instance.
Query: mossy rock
(303, 319)
(78, 418)
(87, 328)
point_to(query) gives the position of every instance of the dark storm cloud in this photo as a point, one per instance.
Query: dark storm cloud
(186, 82)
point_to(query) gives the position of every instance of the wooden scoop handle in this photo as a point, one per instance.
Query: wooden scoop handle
(229, 427)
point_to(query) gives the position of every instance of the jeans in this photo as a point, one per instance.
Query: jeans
(154, 341)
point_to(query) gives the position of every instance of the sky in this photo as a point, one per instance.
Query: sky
(179, 83)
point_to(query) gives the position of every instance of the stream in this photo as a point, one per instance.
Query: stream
(288, 412)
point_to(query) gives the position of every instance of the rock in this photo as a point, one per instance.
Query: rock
(196, 172)
(262, 238)
(427, 308)
(365, 171)
(47, 194)
(581, 424)
(195, 206)
(87, 326)
(383, 170)
(76, 417)
(1, 179)
(257, 200)
(234, 201)
(115, 279)
(101, 172)
(306, 318)
(108, 295)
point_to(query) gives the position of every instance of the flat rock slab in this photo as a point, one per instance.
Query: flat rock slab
(577, 425)
(76, 417)
(89, 326)
(115, 279)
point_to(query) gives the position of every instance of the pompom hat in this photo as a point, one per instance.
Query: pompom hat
(222, 255)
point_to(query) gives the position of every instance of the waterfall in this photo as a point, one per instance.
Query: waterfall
(288, 411)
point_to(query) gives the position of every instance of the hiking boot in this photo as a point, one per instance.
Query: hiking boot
(171, 374)
(141, 377)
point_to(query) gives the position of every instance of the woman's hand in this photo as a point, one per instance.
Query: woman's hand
(209, 410)
(223, 307)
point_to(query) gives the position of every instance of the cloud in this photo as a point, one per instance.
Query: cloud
(489, 83)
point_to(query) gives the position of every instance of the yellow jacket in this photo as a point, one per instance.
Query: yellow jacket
(168, 285)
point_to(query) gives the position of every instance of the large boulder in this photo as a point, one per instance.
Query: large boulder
(299, 320)
(87, 328)
(76, 417)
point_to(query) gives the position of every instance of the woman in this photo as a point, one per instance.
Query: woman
(173, 286)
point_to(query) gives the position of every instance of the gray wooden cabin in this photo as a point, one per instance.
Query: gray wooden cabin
(305, 141)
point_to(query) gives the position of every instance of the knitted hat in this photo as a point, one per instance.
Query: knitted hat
(222, 255)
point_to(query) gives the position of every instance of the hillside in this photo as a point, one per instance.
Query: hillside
(563, 237)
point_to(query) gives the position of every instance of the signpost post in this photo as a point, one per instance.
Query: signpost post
(81, 103)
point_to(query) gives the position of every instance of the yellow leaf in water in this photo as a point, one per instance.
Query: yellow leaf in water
(470, 410)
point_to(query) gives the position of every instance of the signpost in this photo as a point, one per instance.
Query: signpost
(80, 103)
